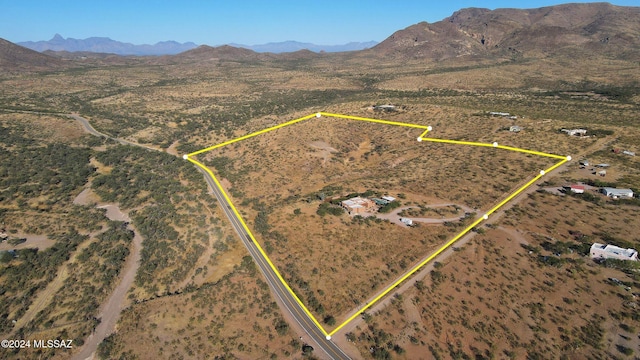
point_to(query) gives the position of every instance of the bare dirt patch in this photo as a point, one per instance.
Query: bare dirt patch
(40, 242)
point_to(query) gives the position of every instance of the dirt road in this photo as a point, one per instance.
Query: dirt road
(111, 309)
(339, 337)
(395, 218)
(117, 301)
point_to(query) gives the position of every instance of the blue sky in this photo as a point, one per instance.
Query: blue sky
(216, 22)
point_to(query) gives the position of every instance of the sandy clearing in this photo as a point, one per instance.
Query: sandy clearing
(86, 197)
(395, 218)
(40, 242)
(114, 213)
(172, 148)
(325, 150)
(323, 146)
(516, 234)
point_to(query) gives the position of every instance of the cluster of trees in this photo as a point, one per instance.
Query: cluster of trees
(379, 342)
(78, 300)
(153, 183)
(51, 173)
(326, 208)
(211, 308)
(122, 122)
(387, 208)
(30, 271)
(46, 177)
(303, 289)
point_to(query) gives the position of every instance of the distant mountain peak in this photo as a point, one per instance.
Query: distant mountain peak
(107, 45)
(293, 46)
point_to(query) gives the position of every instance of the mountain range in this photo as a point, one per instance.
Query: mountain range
(291, 46)
(571, 31)
(106, 45)
(109, 46)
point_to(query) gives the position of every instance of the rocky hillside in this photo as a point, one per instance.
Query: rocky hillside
(14, 58)
(598, 28)
(204, 53)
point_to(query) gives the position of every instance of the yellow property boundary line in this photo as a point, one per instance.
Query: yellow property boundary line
(189, 157)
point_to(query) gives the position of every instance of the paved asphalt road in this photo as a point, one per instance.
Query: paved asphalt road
(85, 123)
(316, 338)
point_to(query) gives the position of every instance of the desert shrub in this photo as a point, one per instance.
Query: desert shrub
(326, 208)
(625, 350)
(329, 320)
(437, 277)
(621, 264)
(107, 347)
(16, 241)
(552, 260)
(390, 206)
(592, 332)
(281, 326)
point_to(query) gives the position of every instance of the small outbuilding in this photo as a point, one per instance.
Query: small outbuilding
(380, 202)
(575, 188)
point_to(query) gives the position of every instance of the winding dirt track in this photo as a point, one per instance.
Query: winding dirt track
(111, 309)
(394, 218)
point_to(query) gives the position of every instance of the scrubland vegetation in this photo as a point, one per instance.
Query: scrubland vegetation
(198, 294)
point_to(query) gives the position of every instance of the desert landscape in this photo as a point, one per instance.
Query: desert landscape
(112, 240)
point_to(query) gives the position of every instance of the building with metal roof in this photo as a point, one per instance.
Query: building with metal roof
(617, 193)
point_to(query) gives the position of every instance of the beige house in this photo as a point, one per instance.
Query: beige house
(358, 205)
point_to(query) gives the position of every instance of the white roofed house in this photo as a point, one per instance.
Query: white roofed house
(602, 251)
